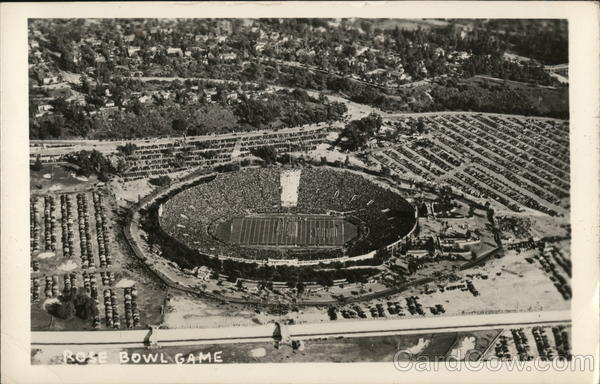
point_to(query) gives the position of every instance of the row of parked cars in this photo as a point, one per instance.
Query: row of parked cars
(102, 232)
(66, 222)
(546, 350)
(85, 235)
(49, 223)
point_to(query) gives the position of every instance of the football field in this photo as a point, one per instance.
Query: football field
(291, 231)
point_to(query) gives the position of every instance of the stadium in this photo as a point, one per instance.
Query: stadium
(283, 216)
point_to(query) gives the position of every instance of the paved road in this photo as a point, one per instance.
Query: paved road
(433, 324)
(266, 333)
(67, 146)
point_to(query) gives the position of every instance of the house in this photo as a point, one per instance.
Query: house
(108, 110)
(209, 93)
(131, 50)
(417, 253)
(50, 80)
(174, 52)
(459, 56)
(144, 99)
(59, 92)
(203, 272)
(361, 50)
(232, 96)
(45, 108)
(165, 94)
(372, 143)
(193, 97)
(92, 41)
(228, 56)
(79, 100)
(260, 46)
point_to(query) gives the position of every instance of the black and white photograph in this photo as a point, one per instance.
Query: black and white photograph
(258, 190)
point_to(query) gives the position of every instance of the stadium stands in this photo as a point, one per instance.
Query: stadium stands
(192, 215)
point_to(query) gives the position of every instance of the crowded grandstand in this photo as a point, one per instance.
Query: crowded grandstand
(305, 226)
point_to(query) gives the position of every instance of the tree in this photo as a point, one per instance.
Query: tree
(357, 133)
(179, 125)
(63, 309)
(85, 306)
(267, 153)
(160, 181)
(490, 215)
(121, 166)
(85, 86)
(128, 149)
(91, 162)
(37, 166)
(420, 126)
(471, 210)
(385, 170)
(257, 113)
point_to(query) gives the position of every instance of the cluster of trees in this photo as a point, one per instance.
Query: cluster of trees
(160, 181)
(293, 275)
(213, 119)
(94, 162)
(73, 304)
(59, 125)
(288, 109)
(283, 109)
(127, 149)
(357, 133)
(545, 40)
(500, 99)
(257, 113)
(496, 66)
(546, 46)
(37, 165)
(299, 108)
(353, 90)
(267, 153)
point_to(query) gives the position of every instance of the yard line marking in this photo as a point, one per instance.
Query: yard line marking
(263, 233)
(252, 231)
(257, 233)
(243, 231)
